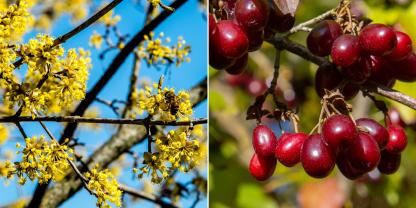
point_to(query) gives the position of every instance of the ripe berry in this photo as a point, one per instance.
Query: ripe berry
(262, 168)
(389, 162)
(239, 65)
(350, 90)
(327, 77)
(346, 168)
(317, 158)
(212, 24)
(230, 40)
(376, 130)
(381, 71)
(405, 70)
(255, 40)
(364, 152)
(358, 72)
(218, 61)
(345, 50)
(403, 47)
(252, 15)
(323, 35)
(338, 130)
(397, 139)
(377, 39)
(264, 141)
(288, 148)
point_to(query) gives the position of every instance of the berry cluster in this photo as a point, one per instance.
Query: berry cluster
(378, 54)
(356, 147)
(240, 28)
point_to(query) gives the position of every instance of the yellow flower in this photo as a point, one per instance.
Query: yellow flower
(4, 134)
(96, 40)
(105, 187)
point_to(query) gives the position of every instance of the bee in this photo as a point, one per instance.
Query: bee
(172, 101)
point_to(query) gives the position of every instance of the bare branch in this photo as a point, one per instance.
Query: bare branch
(304, 26)
(145, 196)
(77, 119)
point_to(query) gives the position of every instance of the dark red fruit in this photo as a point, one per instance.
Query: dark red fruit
(389, 162)
(327, 77)
(230, 40)
(376, 130)
(381, 71)
(218, 61)
(346, 168)
(255, 40)
(323, 35)
(358, 72)
(288, 148)
(345, 50)
(405, 70)
(317, 158)
(239, 65)
(350, 90)
(364, 152)
(262, 168)
(212, 24)
(403, 47)
(252, 15)
(377, 39)
(397, 139)
(394, 118)
(338, 130)
(239, 80)
(279, 22)
(264, 141)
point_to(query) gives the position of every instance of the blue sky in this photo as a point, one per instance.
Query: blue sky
(189, 22)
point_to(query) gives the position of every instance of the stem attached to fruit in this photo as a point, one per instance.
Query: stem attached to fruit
(304, 26)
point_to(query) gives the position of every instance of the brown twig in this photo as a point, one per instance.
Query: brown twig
(77, 119)
(145, 196)
(302, 26)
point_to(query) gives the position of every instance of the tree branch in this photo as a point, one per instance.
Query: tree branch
(306, 24)
(145, 196)
(77, 119)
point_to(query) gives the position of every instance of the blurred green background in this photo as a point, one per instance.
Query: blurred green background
(230, 134)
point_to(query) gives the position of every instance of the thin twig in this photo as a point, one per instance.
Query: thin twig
(77, 119)
(306, 24)
(145, 196)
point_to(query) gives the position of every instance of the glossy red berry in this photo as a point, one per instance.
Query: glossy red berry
(338, 130)
(364, 152)
(252, 15)
(358, 72)
(377, 39)
(403, 48)
(262, 168)
(397, 139)
(345, 50)
(239, 65)
(322, 36)
(381, 71)
(376, 130)
(389, 162)
(350, 90)
(288, 148)
(264, 141)
(405, 70)
(230, 40)
(255, 39)
(346, 168)
(317, 158)
(212, 24)
(326, 77)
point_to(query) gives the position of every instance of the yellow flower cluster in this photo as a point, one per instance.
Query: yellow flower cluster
(15, 20)
(177, 150)
(4, 134)
(41, 160)
(110, 19)
(64, 77)
(77, 9)
(155, 51)
(105, 187)
(163, 103)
